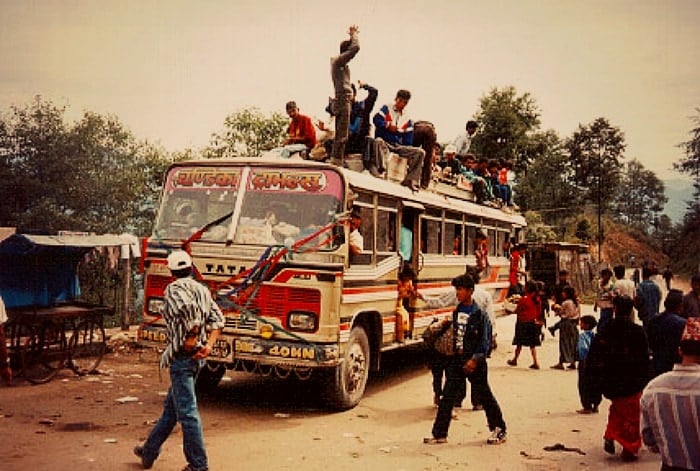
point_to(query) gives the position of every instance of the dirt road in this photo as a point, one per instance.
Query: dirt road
(253, 423)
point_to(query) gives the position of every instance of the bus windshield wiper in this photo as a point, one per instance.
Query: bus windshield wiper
(198, 235)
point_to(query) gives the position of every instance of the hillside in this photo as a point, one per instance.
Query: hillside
(619, 245)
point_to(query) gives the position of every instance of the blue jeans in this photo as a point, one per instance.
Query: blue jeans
(180, 405)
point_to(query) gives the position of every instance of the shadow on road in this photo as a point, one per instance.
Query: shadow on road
(253, 392)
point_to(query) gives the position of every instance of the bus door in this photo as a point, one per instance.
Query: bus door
(409, 246)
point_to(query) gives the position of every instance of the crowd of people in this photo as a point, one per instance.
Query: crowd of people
(647, 366)
(347, 131)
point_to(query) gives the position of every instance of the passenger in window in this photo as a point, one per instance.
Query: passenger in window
(481, 250)
(457, 245)
(356, 242)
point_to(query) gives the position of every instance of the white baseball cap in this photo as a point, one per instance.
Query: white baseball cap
(178, 260)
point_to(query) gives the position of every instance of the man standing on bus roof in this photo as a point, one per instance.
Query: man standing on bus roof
(190, 312)
(395, 128)
(342, 105)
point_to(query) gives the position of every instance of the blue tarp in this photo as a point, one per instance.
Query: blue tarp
(42, 270)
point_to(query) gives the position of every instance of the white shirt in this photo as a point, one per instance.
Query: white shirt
(357, 240)
(625, 287)
(463, 142)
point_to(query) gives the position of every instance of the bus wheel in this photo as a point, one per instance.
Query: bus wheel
(347, 382)
(210, 375)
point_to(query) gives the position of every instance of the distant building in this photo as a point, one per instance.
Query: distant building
(545, 260)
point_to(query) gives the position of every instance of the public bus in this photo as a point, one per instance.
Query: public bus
(270, 238)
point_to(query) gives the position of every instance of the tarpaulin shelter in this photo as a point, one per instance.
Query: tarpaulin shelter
(41, 270)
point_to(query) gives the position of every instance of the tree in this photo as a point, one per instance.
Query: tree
(88, 176)
(506, 120)
(545, 184)
(247, 132)
(690, 164)
(596, 152)
(686, 249)
(640, 197)
(583, 230)
(537, 230)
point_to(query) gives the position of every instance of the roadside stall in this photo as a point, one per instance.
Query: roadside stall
(49, 325)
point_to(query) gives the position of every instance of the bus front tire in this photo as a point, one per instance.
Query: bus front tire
(209, 376)
(345, 385)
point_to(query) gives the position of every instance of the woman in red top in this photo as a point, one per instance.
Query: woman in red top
(527, 326)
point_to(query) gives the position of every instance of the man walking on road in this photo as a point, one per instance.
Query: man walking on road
(190, 313)
(472, 341)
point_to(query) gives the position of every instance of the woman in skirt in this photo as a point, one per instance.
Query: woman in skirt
(569, 312)
(528, 324)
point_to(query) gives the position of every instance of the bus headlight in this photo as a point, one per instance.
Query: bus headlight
(156, 306)
(302, 321)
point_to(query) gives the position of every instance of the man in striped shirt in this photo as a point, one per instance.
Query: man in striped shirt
(193, 323)
(671, 407)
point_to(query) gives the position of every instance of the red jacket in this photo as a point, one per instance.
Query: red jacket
(301, 131)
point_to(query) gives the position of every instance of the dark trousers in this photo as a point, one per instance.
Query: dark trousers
(438, 367)
(480, 384)
(588, 388)
(606, 315)
(424, 136)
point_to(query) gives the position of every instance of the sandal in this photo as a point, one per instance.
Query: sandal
(512, 362)
(434, 441)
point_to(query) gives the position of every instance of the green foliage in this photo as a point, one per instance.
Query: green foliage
(537, 230)
(685, 249)
(506, 121)
(86, 176)
(248, 132)
(640, 197)
(584, 231)
(544, 185)
(596, 152)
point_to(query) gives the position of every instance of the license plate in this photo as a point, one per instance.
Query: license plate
(222, 349)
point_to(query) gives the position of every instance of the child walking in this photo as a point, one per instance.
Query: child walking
(588, 388)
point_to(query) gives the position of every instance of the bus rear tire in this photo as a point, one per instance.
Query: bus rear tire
(209, 376)
(345, 385)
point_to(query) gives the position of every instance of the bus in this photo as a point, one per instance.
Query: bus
(269, 237)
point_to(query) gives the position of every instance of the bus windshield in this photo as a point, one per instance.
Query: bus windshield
(194, 197)
(283, 206)
(278, 206)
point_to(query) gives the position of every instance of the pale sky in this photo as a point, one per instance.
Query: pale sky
(172, 70)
